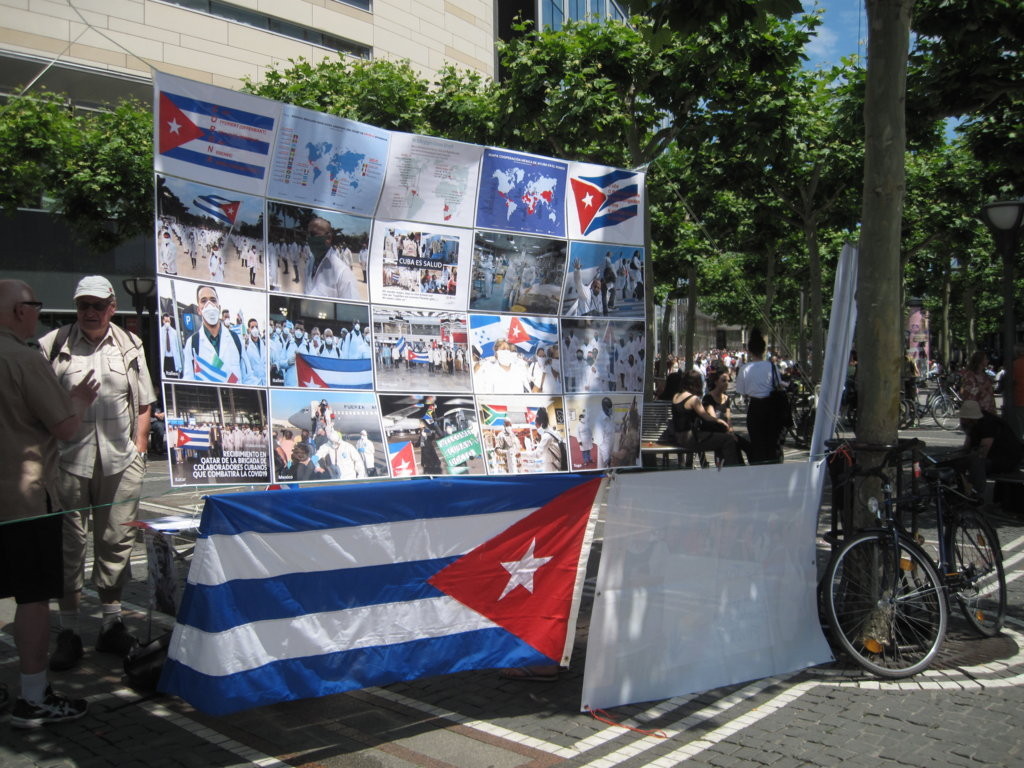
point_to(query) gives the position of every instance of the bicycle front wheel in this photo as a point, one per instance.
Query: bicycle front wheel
(980, 582)
(946, 413)
(885, 605)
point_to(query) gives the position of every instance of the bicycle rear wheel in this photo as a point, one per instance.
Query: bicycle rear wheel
(906, 414)
(980, 586)
(946, 413)
(885, 604)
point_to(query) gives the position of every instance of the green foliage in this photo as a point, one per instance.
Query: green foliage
(95, 168)
(38, 132)
(384, 93)
(463, 106)
(107, 194)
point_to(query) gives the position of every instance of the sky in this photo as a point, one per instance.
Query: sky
(843, 32)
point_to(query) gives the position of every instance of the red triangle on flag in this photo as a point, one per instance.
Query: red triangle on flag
(307, 375)
(523, 578)
(589, 200)
(175, 128)
(231, 209)
(516, 332)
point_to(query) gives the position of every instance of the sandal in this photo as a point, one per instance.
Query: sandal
(539, 674)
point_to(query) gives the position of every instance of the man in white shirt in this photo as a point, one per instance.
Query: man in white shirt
(328, 273)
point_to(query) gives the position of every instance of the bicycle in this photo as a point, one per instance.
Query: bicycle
(886, 602)
(944, 404)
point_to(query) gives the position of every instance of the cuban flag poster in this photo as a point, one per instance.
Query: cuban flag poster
(299, 594)
(605, 204)
(328, 372)
(213, 135)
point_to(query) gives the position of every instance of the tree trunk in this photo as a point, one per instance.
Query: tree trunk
(970, 320)
(879, 335)
(691, 312)
(944, 339)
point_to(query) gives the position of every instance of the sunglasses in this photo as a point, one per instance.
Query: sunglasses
(96, 306)
(33, 304)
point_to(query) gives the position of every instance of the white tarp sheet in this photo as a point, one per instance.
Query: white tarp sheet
(707, 578)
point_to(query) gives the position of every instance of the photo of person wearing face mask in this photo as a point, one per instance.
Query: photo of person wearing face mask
(213, 353)
(506, 371)
(254, 350)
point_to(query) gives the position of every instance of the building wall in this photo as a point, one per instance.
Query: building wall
(129, 37)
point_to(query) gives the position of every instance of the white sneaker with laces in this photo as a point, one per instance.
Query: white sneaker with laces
(53, 709)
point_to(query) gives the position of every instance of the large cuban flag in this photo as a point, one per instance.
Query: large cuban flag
(213, 135)
(306, 593)
(605, 204)
(321, 372)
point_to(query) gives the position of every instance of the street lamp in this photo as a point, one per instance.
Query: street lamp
(1004, 220)
(141, 289)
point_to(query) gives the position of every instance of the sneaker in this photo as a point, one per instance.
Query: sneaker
(117, 640)
(68, 651)
(53, 709)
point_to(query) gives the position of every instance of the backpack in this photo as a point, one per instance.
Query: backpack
(559, 451)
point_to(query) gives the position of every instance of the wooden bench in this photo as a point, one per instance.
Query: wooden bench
(657, 439)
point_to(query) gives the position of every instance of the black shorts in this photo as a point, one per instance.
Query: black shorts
(32, 560)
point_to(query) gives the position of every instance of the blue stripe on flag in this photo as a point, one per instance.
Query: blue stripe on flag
(220, 111)
(218, 163)
(325, 508)
(311, 676)
(235, 142)
(609, 178)
(240, 601)
(617, 216)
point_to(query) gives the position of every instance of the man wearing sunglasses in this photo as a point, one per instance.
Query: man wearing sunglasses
(34, 412)
(102, 465)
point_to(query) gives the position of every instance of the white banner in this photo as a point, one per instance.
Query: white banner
(707, 578)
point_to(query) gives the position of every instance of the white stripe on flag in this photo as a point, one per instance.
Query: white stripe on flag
(222, 558)
(250, 646)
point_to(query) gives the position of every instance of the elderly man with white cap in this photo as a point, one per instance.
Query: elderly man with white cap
(103, 464)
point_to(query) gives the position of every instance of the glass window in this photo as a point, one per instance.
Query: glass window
(280, 26)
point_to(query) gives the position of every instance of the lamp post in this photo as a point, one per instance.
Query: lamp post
(141, 289)
(1004, 220)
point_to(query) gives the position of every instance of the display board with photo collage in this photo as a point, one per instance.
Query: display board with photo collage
(341, 302)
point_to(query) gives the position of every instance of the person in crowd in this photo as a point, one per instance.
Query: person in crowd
(976, 384)
(549, 447)
(718, 403)
(338, 460)
(102, 466)
(170, 348)
(757, 379)
(254, 350)
(365, 449)
(301, 466)
(604, 433)
(213, 353)
(328, 272)
(505, 371)
(585, 438)
(992, 446)
(689, 417)
(35, 412)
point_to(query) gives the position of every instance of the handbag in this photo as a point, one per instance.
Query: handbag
(780, 402)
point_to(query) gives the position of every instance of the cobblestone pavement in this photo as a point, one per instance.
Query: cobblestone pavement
(962, 712)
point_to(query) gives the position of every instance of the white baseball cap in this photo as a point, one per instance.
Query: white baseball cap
(95, 285)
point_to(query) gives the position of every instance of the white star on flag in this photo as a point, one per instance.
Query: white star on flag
(404, 469)
(311, 383)
(173, 126)
(587, 199)
(521, 571)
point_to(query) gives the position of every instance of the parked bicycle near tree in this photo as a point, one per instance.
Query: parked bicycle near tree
(885, 600)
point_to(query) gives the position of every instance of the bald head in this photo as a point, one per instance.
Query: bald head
(16, 315)
(13, 291)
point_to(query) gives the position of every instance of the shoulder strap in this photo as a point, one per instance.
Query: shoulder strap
(63, 333)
